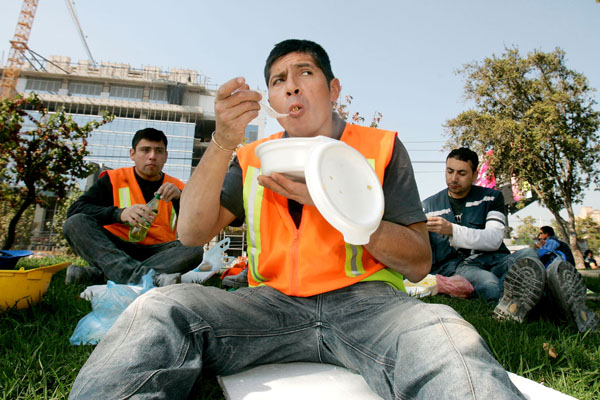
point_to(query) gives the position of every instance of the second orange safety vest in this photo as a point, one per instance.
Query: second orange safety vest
(127, 192)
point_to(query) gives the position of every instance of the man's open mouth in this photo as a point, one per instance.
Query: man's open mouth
(295, 109)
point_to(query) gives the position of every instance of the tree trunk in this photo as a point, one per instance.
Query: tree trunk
(568, 230)
(12, 226)
(573, 242)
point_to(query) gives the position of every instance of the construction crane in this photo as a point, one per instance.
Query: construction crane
(81, 35)
(16, 56)
(18, 45)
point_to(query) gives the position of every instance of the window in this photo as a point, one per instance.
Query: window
(158, 96)
(126, 92)
(85, 89)
(51, 86)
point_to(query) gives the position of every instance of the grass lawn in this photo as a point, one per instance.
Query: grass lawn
(38, 362)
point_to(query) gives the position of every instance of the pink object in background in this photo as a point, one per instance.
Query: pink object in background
(484, 178)
(456, 286)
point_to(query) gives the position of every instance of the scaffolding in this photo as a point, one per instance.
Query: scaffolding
(18, 45)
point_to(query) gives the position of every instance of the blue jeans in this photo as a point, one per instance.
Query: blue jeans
(403, 347)
(122, 261)
(486, 272)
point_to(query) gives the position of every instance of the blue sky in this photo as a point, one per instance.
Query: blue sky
(396, 57)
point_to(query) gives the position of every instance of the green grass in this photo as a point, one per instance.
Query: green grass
(520, 347)
(38, 362)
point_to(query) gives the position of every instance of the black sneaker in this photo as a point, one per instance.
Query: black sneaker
(523, 289)
(87, 274)
(567, 288)
(236, 281)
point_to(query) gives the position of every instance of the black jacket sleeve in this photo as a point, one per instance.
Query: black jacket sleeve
(98, 203)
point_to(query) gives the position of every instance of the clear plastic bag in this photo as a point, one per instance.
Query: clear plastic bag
(215, 258)
(107, 305)
(212, 261)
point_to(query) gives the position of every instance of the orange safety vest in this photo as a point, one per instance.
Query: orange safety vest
(312, 258)
(127, 192)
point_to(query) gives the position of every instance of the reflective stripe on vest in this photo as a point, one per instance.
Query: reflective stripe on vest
(252, 190)
(173, 220)
(353, 264)
(124, 198)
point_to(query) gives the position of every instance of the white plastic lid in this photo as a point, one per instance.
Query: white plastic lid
(287, 156)
(345, 190)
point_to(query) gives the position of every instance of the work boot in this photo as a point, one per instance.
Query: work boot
(236, 281)
(87, 274)
(523, 289)
(166, 279)
(567, 288)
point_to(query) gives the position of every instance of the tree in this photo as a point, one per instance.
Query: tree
(24, 228)
(40, 161)
(61, 216)
(526, 231)
(343, 109)
(538, 117)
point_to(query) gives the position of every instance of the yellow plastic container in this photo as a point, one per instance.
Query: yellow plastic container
(22, 287)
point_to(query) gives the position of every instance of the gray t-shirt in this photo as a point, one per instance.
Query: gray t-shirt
(402, 201)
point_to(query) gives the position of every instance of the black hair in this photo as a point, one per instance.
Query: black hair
(466, 155)
(548, 230)
(588, 251)
(151, 134)
(300, 46)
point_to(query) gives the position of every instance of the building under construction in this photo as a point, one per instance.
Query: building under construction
(176, 101)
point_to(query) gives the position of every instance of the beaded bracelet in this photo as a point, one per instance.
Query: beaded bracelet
(218, 145)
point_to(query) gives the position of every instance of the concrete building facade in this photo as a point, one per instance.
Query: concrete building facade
(589, 212)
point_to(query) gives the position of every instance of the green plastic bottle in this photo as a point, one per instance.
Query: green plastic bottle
(138, 233)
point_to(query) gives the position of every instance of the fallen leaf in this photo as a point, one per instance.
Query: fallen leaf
(551, 351)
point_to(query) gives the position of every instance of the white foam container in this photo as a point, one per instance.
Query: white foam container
(287, 156)
(341, 182)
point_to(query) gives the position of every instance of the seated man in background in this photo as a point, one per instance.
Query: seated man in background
(589, 260)
(99, 223)
(466, 228)
(549, 247)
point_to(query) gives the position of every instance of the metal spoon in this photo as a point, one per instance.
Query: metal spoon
(272, 113)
